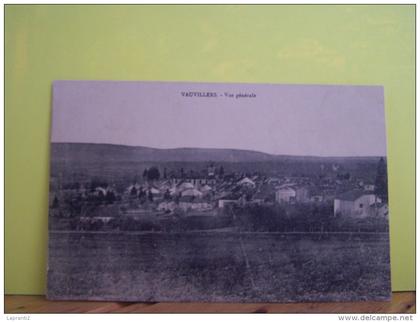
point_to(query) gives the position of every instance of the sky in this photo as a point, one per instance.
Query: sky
(316, 120)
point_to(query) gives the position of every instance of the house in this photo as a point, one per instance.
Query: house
(229, 199)
(317, 198)
(192, 192)
(191, 203)
(172, 191)
(259, 198)
(285, 194)
(265, 193)
(205, 189)
(273, 181)
(133, 188)
(196, 178)
(246, 182)
(102, 192)
(185, 185)
(99, 191)
(154, 191)
(167, 206)
(315, 194)
(354, 203)
(369, 187)
(378, 209)
(302, 194)
(165, 185)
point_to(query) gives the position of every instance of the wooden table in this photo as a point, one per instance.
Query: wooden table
(402, 302)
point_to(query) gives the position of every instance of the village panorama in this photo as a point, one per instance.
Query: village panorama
(216, 224)
(259, 193)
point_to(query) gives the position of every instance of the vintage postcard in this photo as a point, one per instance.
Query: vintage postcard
(171, 191)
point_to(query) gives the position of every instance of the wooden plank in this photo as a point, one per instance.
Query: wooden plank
(402, 302)
(39, 304)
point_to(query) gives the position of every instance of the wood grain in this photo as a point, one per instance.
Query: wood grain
(402, 302)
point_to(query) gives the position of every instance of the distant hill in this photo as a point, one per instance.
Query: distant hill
(92, 152)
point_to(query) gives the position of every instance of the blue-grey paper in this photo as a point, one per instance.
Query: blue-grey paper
(169, 191)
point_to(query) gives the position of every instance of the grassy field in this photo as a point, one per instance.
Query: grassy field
(218, 266)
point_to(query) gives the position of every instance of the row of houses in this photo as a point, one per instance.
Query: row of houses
(357, 202)
(204, 191)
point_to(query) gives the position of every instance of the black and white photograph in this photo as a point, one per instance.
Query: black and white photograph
(218, 192)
